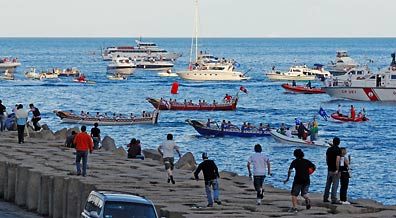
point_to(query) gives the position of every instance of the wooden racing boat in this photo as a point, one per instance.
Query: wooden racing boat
(348, 119)
(68, 117)
(303, 89)
(216, 130)
(163, 104)
(295, 140)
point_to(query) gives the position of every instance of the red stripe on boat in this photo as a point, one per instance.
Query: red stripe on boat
(371, 94)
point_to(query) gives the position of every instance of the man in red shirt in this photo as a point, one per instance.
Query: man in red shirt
(83, 144)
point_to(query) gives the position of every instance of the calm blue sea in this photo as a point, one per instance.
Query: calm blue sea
(371, 144)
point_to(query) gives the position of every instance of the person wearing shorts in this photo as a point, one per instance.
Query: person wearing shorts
(303, 168)
(166, 149)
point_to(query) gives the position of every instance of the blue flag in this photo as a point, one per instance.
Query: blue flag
(236, 64)
(323, 113)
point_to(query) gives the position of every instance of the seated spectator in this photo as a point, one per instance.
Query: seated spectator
(135, 150)
(69, 140)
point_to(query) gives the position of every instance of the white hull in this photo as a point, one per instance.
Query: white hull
(284, 77)
(165, 74)
(211, 75)
(296, 141)
(362, 94)
(116, 70)
(8, 66)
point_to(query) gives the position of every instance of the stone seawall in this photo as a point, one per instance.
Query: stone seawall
(39, 175)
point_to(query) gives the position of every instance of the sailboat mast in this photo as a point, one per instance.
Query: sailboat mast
(196, 30)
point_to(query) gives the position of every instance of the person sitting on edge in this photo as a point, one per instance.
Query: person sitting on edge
(288, 132)
(70, 140)
(249, 126)
(261, 127)
(135, 150)
(243, 127)
(208, 123)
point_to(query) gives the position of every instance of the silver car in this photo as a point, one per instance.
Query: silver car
(106, 204)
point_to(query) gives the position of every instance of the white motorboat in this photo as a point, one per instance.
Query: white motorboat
(296, 73)
(121, 65)
(380, 86)
(117, 77)
(296, 141)
(32, 74)
(7, 76)
(342, 63)
(138, 52)
(167, 73)
(9, 65)
(152, 63)
(207, 68)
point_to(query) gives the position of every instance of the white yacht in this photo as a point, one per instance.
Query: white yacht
(342, 63)
(296, 73)
(121, 65)
(9, 65)
(153, 63)
(206, 67)
(138, 52)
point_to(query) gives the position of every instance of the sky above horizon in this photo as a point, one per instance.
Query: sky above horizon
(217, 18)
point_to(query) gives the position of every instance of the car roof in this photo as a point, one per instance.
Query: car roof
(124, 197)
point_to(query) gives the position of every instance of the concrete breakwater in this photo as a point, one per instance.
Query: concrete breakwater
(40, 176)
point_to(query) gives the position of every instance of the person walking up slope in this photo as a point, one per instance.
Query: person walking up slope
(211, 174)
(166, 149)
(301, 179)
(260, 163)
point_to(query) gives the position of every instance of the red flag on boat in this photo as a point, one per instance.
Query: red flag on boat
(243, 89)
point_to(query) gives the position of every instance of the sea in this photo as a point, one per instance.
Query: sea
(371, 144)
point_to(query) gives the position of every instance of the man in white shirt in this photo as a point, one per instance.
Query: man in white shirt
(261, 163)
(166, 149)
(21, 116)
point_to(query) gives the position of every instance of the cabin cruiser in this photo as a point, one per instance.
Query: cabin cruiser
(217, 72)
(342, 63)
(296, 73)
(380, 86)
(138, 52)
(9, 65)
(121, 65)
(152, 63)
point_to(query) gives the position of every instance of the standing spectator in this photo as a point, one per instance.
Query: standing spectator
(22, 117)
(166, 150)
(353, 113)
(344, 179)
(333, 155)
(3, 116)
(211, 174)
(36, 117)
(83, 144)
(95, 134)
(260, 163)
(301, 179)
(70, 140)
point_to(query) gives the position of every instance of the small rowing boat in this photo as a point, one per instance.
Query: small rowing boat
(216, 130)
(342, 118)
(69, 117)
(303, 89)
(296, 141)
(225, 105)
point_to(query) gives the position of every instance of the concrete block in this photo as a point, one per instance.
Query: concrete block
(3, 178)
(9, 194)
(58, 197)
(21, 184)
(32, 194)
(43, 198)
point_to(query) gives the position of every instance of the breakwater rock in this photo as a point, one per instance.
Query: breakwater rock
(40, 176)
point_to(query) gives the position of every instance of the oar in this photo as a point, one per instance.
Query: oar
(247, 71)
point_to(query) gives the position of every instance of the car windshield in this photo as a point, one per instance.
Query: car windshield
(128, 210)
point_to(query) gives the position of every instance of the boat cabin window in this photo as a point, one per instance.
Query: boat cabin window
(372, 77)
(359, 72)
(340, 61)
(393, 76)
